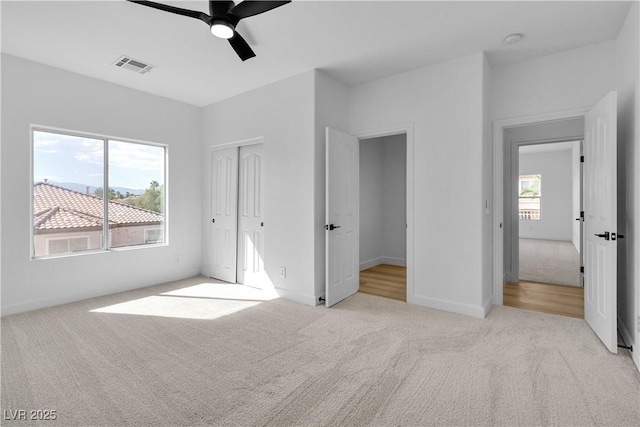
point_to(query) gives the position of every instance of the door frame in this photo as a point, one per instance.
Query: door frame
(407, 130)
(498, 185)
(212, 149)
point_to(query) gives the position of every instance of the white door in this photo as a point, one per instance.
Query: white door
(250, 217)
(342, 216)
(224, 214)
(600, 225)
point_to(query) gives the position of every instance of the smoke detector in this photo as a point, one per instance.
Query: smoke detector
(136, 65)
(512, 38)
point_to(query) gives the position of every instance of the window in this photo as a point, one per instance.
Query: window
(529, 197)
(71, 211)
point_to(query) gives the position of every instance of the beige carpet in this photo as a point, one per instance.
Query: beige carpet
(549, 261)
(201, 353)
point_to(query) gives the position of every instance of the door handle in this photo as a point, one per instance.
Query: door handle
(605, 235)
(331, 227)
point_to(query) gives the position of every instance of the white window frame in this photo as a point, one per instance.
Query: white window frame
(105, 237)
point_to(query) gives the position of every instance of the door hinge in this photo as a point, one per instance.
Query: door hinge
(581, 159)
(582, 215)
(581, 269)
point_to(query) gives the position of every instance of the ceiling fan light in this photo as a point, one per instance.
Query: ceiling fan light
(222, 29)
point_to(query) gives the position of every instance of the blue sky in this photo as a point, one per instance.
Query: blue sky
(64, 158)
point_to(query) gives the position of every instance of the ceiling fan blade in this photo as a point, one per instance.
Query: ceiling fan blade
(219, 8)
(241, 47)
(250, 8)
(177, 10)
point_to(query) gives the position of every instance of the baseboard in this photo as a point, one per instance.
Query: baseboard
(23, 307)
(38, 304)
(487, 305)
(626, 335)
(296, 297)
(452, 307)
(382, 260)
(370, 263)
(561, 239)
(401, 262)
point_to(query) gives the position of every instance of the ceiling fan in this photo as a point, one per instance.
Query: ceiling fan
(224, 18)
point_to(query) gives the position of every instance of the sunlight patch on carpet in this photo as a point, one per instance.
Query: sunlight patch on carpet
(204, 301)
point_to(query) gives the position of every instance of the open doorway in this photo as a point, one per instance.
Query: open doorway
(596, 127)
(383, 216)
(543, 224)
(549, 206)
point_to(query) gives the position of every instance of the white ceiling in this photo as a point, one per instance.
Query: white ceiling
(354, 41)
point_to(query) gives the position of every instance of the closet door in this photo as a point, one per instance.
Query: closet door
(250, 265)
(224, 214)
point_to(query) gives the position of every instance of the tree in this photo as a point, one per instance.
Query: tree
(151, 199)
(113, 194)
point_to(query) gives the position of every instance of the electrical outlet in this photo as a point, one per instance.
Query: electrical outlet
(283, 272)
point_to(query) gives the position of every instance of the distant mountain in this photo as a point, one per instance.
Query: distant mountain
(82, 188)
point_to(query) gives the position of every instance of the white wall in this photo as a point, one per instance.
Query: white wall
(282, 113)
(37, 94)
(556, 222)
(628, 86)
(383, 201)
(487, 185)
(444, 103)
(562, 81)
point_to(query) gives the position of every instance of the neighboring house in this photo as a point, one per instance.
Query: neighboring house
(68, 221)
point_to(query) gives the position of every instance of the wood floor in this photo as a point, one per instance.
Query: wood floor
(384, 280)
(554, 299)
(390, 281)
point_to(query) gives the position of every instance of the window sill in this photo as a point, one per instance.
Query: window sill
(99, 251)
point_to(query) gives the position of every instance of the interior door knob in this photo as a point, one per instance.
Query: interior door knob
(605, 235)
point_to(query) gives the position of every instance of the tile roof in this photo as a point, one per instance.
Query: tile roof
(58, 208)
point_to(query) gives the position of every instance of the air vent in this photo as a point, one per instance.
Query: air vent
(133, 64)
